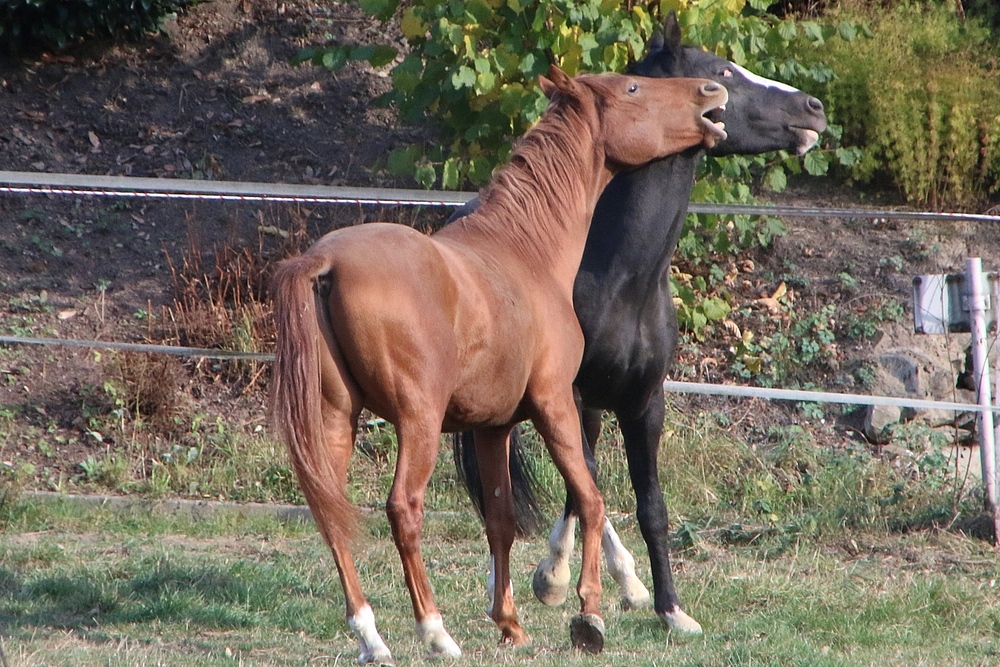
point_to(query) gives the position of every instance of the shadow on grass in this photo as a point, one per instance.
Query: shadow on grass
(213, 598)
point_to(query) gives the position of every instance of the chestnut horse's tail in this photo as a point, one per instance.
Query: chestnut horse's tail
(296, 405)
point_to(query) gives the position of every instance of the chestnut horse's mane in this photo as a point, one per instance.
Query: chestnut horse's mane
(540, 178)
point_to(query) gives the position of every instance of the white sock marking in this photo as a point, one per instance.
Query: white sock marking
(621, 567)
(432, 633)
(373, 649)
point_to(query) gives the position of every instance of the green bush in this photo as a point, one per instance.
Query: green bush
(920, 96)
(56, 23)
(472, 68)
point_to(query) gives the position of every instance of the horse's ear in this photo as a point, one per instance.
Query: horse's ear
(557, 80)
(655, 44)
(671, 38)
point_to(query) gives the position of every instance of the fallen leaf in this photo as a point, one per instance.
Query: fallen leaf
(95, 142)
(67, 314)
(771, 302)
(32, 115)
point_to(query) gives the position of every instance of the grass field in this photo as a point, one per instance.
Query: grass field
(92, 587)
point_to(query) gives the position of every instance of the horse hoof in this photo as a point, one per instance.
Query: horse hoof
(680, 622)
(550, 584)
(376, 657)
(515, 636)
(444, 646)
(439, 643)
(587, 633)
(635, 596)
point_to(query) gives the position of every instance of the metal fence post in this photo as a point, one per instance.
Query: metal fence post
(981, 371)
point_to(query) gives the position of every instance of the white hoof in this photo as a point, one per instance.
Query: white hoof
(635, 595)
(551, 582)
(373, 649)
(680, 622)
(376, 657)
(437, 640)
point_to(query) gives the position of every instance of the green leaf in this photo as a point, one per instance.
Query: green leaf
(848, 157)
(480, 170)
(715, 309)
(485, 82)
(304, 55)
(739, 55)
(333, 59)
(847, 30)
(788, 30)
(450, 176)
(813, 30)
(401, 161)
(425, 175)
(382, 9)
(816, 163)
(463, 78)
(776, 179)
(382, 54)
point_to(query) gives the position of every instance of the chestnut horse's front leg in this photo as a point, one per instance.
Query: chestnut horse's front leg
(556, 418)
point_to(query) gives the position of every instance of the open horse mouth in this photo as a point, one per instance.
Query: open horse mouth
(807, 138)
(718, 97)
(716, 128)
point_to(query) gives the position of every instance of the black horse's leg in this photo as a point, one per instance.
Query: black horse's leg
(642, 439)
(551, 580)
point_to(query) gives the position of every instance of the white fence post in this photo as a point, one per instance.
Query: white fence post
(996, 373)
(981, 373)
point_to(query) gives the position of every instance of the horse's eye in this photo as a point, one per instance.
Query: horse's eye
(727, 73)
(634, 87)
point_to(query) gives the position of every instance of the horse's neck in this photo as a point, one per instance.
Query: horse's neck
(539, 207)
(639, 219)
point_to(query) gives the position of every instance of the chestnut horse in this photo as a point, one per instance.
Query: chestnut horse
(471, 328)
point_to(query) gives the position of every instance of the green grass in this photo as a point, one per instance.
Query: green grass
(94, 588)
(787, 551)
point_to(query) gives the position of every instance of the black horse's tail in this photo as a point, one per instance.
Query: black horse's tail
(529, 519)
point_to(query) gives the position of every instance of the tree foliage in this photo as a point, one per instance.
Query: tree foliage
(472, 67)
(471, 70)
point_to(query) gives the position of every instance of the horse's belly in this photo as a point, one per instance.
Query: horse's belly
(488, 396)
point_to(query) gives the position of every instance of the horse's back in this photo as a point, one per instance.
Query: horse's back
(420, 320)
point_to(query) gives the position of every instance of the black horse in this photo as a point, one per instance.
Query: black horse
(622, 297)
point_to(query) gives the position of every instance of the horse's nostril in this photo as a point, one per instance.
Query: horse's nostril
(709, 87)
(815, 104)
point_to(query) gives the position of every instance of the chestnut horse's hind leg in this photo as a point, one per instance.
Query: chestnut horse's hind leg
(340, 408)
(492, 452)
(419, 439)
(557, 421)
(360, 617)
